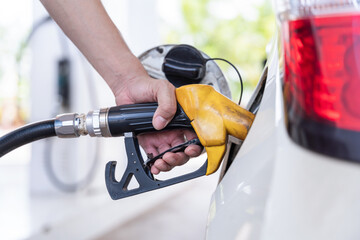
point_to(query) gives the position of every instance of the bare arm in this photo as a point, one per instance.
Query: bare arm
(88, 25)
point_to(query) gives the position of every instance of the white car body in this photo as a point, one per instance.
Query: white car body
(276, 189)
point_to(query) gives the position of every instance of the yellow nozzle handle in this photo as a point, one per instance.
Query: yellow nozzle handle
(213, 117)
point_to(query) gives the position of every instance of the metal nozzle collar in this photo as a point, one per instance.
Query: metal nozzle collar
(97, 123)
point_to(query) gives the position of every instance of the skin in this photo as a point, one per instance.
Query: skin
(90, 28)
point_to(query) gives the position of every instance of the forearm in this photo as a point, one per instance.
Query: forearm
(87, 24)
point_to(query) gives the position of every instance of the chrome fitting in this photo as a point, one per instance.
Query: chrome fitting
(71, 125)
(81, 124)
(97, 124)
(68, 125)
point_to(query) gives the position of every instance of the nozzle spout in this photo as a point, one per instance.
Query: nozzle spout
(213, 117)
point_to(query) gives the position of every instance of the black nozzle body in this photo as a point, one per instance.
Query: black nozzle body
(137, 118)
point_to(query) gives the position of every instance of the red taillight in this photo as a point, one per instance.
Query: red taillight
(322, 77)
(322, 68)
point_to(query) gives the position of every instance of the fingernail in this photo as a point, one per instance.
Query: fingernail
(160, 122)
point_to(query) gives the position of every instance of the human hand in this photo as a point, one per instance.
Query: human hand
(156, 143)
(142, 88)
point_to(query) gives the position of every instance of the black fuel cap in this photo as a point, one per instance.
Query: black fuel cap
(183, 65)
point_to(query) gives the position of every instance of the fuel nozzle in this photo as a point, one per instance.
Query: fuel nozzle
(115, 121)
(212, 116)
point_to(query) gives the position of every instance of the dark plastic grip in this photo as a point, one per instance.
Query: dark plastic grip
(137, 118)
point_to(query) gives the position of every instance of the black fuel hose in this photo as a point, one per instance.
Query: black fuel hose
(26, 134)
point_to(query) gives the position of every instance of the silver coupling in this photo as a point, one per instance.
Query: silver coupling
(97, 123)
(72, 125)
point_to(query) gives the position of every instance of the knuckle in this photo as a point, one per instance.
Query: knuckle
(169, 159)
(161, 165)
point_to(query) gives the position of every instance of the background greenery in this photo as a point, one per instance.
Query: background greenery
(235, 30)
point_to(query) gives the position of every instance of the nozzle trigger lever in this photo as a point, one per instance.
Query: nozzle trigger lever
(138, 168)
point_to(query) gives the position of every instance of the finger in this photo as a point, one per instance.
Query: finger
(165, 96)
(154, 170)
(193, 150)
(178, 141)
(175, 159)
(161, 165)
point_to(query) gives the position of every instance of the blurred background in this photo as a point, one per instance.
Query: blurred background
(54, 189)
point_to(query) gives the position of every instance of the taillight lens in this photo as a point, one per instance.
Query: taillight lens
(321, 82)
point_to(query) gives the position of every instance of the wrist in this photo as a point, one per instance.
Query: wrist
(124, 73)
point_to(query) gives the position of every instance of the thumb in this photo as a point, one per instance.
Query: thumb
(165, 96)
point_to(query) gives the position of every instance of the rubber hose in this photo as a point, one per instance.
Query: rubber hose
(26, 134)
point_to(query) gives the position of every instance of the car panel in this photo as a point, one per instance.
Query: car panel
(276, 189)
(239, 201)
